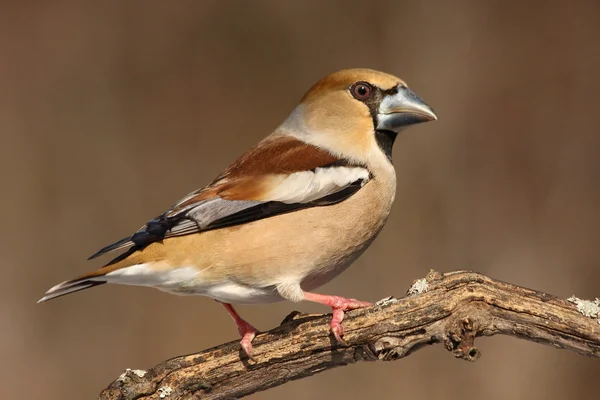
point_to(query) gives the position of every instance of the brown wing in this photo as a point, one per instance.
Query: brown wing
(276, 155)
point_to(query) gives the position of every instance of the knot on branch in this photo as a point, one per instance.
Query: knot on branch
(388, 348)
(460, 340)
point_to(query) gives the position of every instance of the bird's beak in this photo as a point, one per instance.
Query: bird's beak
(403, 108)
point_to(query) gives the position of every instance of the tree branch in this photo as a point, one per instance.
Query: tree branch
(452, 309)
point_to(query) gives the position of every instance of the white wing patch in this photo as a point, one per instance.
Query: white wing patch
(307, 186)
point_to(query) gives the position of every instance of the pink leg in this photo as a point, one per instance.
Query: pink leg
(247, 331)
(338, 305)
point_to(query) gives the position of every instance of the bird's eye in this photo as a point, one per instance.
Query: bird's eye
(361, 90)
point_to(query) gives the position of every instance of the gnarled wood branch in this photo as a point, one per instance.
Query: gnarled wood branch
(452, 309)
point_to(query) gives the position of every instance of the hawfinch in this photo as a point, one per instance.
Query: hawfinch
(286, 217)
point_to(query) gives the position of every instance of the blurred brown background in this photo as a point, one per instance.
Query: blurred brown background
(110, 111)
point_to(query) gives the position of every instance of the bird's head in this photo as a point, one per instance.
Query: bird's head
(356, 112)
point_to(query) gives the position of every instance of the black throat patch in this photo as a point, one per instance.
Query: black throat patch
(385, 141)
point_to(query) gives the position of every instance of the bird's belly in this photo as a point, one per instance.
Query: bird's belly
(261, 288)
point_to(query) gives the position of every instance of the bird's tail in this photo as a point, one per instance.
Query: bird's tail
(89, 280)
(67, 287)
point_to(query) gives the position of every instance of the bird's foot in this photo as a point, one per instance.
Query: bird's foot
(338, 305)
(247, 331)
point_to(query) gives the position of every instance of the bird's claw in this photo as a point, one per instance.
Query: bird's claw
(338, 331)
(248, 332)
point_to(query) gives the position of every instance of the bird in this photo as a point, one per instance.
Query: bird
(286, 217)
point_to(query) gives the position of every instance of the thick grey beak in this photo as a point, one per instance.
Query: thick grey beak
(397, 111)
